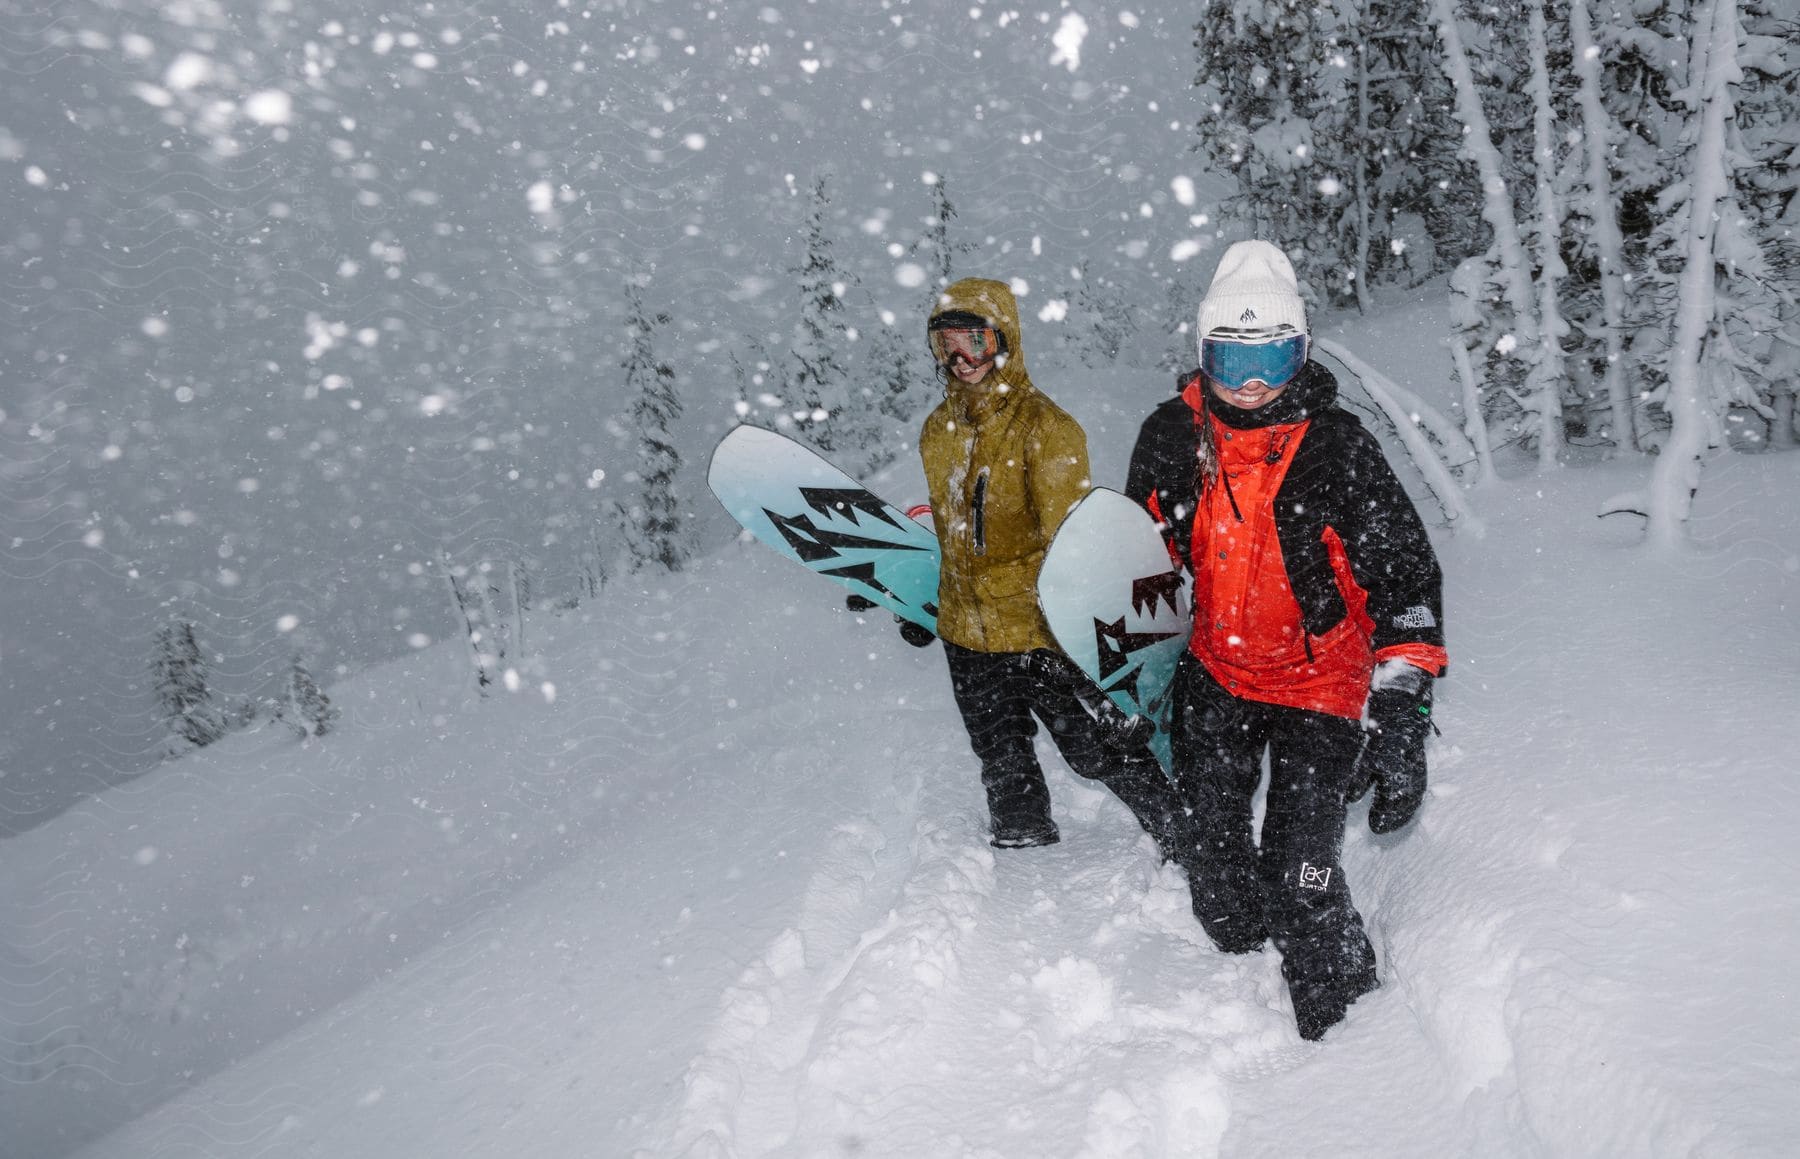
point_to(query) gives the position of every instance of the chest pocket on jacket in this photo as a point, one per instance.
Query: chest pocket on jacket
(978, 512)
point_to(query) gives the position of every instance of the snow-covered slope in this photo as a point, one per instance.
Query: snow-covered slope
(713, 882)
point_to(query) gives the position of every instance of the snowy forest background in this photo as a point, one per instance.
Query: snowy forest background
(320, 316)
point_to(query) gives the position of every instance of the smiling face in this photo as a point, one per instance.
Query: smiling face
(1254, 394)
(970, 372)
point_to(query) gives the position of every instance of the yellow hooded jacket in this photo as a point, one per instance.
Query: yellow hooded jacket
(1003, 465)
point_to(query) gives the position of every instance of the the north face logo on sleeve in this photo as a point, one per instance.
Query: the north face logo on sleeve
(1417, 616)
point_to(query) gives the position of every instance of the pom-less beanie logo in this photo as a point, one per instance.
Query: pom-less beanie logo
(1249, 315)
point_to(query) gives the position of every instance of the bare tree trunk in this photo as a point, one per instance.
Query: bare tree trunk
(1475, 424)
(518, 606)
(1784, 378)
(594, 575)
(1362, 176)
(1694, 420)
(1781, 427)
(1547, 375)
(1609, 242)
(1497, 208)
(465, 608)
(499, 628)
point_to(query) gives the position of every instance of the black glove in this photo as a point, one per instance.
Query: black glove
(1132, 732)
(914, 634)
(1393, 756)
(858, 603)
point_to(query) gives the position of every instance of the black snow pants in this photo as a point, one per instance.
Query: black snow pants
(1000, 692)
(1288, 886)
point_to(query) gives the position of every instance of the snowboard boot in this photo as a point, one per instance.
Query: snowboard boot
(1319, 1008)
(1234, 935)
(1322, 996)
(1025, 833)
(1229, 908)
(1018, 804)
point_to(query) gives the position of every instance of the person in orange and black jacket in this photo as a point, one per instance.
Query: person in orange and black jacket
(1318, 631)
(1004, 465)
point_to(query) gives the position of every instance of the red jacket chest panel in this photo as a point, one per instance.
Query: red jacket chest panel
(1248, 627)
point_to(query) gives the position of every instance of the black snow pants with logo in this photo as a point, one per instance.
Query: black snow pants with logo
(999, 693)
(1288, 885)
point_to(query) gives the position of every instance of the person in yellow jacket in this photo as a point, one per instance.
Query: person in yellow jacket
(1004, 465)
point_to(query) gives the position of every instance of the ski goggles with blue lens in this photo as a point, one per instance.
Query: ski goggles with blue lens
(1235, 364)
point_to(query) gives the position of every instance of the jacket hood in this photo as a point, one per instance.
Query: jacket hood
(994, 302)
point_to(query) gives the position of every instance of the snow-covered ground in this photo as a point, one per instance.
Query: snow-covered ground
(713, 882)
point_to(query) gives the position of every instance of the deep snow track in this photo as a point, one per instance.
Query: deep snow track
(927, 970)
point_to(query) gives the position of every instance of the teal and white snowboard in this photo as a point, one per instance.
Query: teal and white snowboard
(1113, 600)
(1118, 606)
(799, 504)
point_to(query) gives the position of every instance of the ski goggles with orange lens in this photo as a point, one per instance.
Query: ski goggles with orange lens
(1235, 364)
(974, 346)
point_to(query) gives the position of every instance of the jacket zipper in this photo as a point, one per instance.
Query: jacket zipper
(978, 511)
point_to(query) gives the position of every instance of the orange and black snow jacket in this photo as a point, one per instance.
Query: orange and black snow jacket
(1310, 563)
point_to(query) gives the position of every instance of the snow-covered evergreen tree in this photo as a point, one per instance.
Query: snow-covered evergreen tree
(1334, 119)
(935, 244)
(658, 531)
(897, 368)
(1493, 304)
(752, 374)
(818, 385)
(306, 703)
(1647, 87)
(1102, 324)
(1180, 348)
(1409, 183)
(1762, 259)
(864, 433)
(900, 383)
(1275, 80)
(182, 685)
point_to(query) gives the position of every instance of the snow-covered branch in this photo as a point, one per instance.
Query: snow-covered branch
(1410, 414)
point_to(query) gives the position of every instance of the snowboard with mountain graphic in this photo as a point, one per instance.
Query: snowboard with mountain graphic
(798, 503)
(1118, 606)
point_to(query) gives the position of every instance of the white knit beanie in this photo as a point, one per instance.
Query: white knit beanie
(1253, 292)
